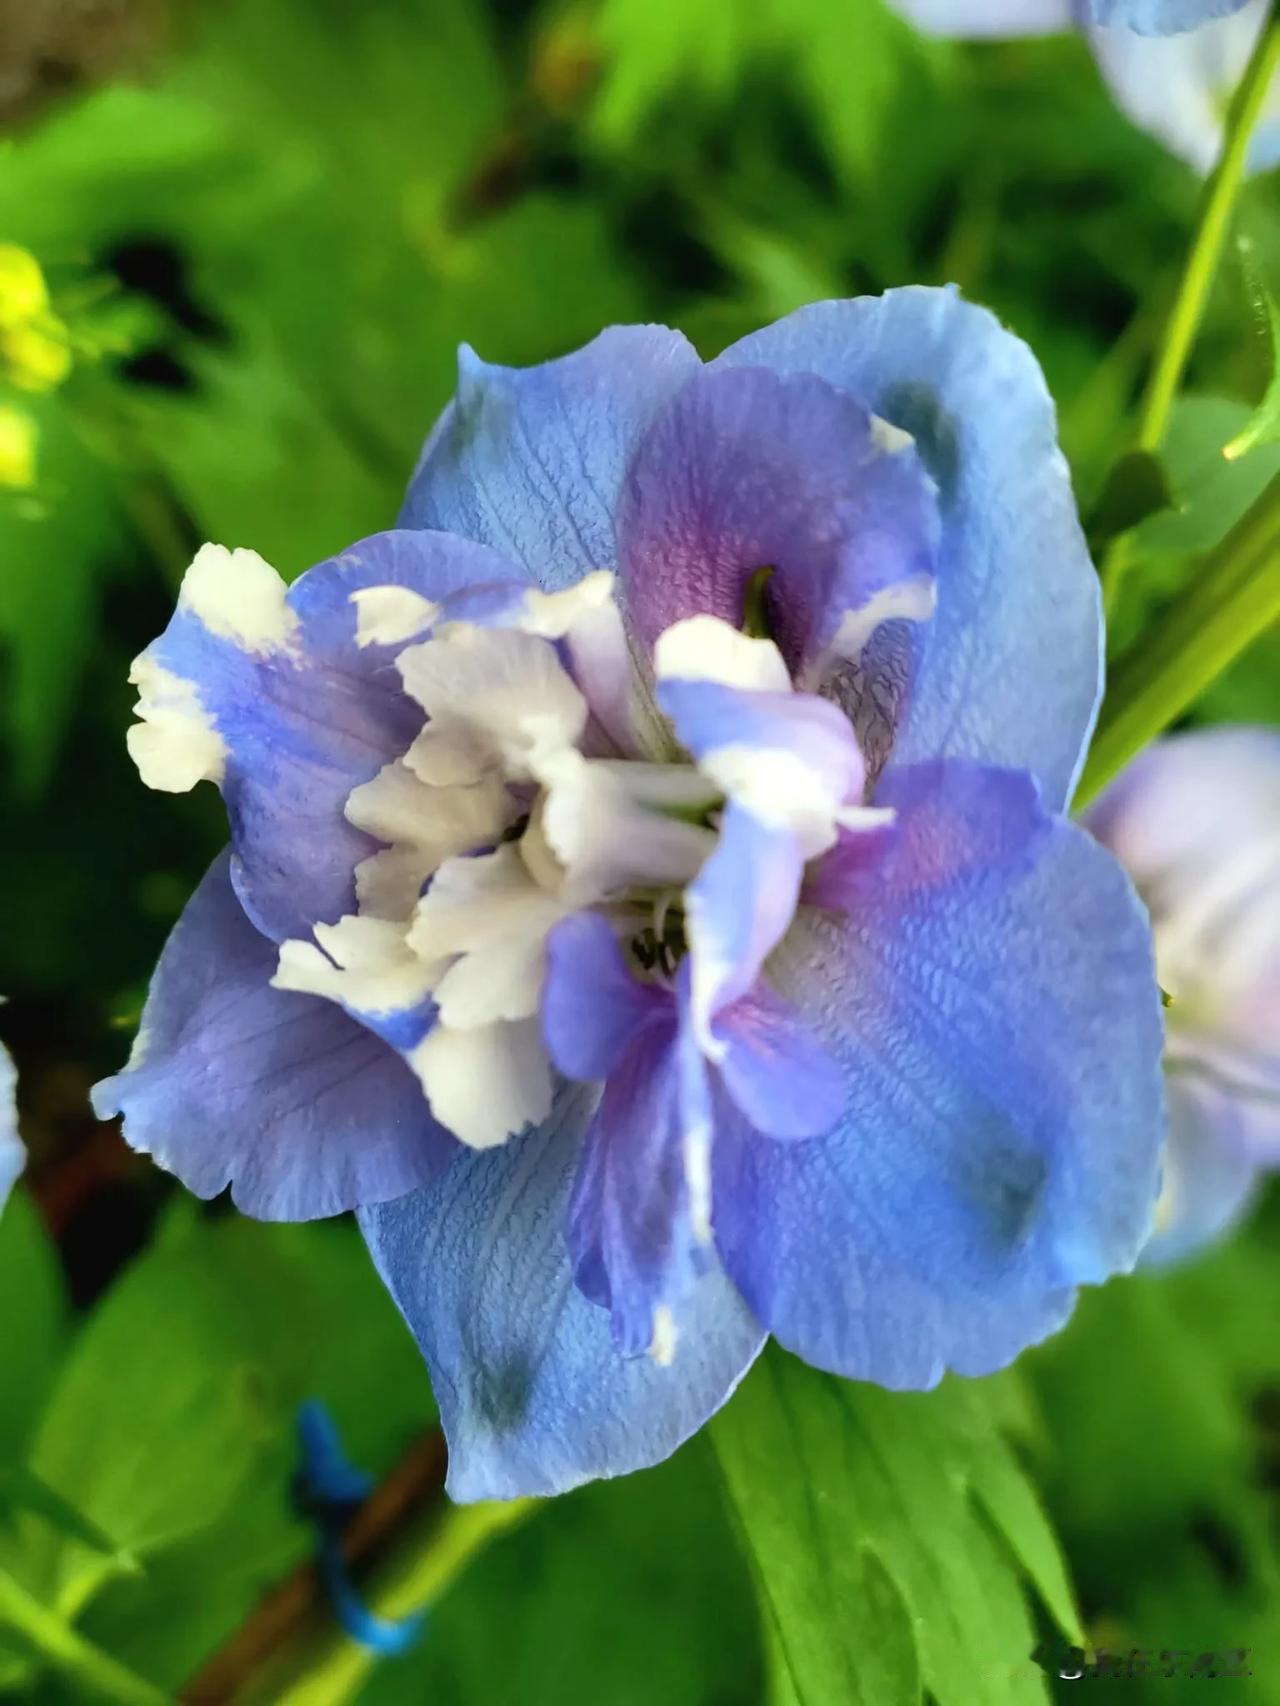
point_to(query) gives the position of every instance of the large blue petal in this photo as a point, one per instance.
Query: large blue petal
(298, 1108)
(776, 1072)
(749, 470)
(530, 460)
(1012, 659)
(991, 998)
(1155, 17)
(533, 1396)
(12, 1154)
(304, 722)
(1210, 1174)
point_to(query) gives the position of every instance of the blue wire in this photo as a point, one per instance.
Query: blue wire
(327, 1481)
(376, 1633)
(328, 1487)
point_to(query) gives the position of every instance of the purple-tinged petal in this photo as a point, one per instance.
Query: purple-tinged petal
(1210, 1176)
(283, 1097)
(592, 1007)
(1012, 660)
(12, 1155)
(530, 460)
(775, 1070)
(737, 911)
(269, 694)
(1178, 88)
(533, 1396)
(832, 881)
(999, 1028)
(750, 470)
(628, 1226)
(1195, 820)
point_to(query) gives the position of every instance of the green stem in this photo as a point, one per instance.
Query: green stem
(327, 1667)
(1213, 225)
(1235, 598)
(62, 1647)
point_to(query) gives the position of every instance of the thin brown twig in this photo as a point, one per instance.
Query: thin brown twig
(416, 1481)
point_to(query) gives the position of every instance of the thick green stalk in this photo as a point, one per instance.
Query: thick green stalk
(1235, 598)
(1212, 229)
(64, 1649)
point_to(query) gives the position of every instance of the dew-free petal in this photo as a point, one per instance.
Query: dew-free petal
(748, 470)
(1210, 1173)
(1195, 820)
(782, 1080)
(1178, 87)
(988, 17)
(736, 914)
(989, 996)
(298, 1108)
(628, 1226)
(1154, 17)
(268, 693)
(530, 460)
(592, 1007)
(1011, 670)
(533, 1396)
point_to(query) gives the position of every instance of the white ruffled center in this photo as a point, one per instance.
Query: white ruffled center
(534, 790)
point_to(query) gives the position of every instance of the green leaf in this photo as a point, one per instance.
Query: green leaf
(98, 1674)
(1213, 494)
(1161, 1425)
(1263, 425)
(180, 1393)
(1235, 599)
(20, 1491)
(856, 62)
(643, 1595)
(1137, 487)
(891, 1534)
(54, 545)
(654, 49)
(33, 1321)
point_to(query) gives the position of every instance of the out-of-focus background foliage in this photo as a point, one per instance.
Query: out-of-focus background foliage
(264, 226)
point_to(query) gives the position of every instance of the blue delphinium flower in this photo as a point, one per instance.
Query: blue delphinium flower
(1171, 65)
(12, 1155)
(648, 901)
(1196, 819)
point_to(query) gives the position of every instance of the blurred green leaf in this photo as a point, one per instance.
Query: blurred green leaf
(21, 1491)
(1161, 1404)
(177, 1403)
(1213, 494)
(96, 1674)
(1138, 487)
(33, 1322)
(642, 1595)
(55, 544)
(1263, 425)
(659, 50)
(1235, 599)
(891, 1534)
